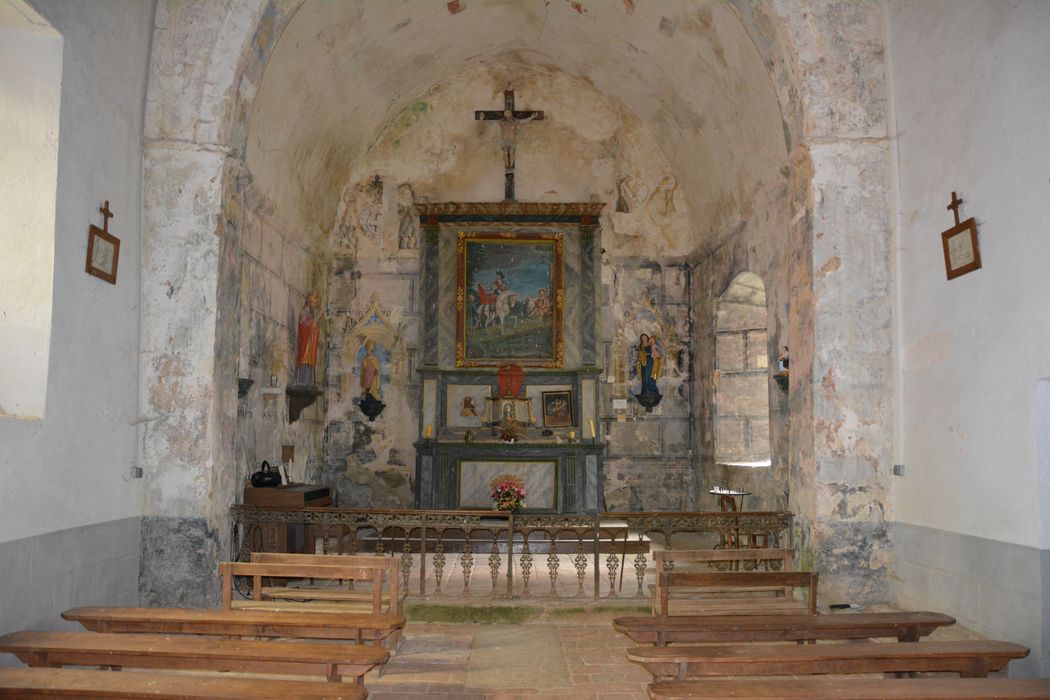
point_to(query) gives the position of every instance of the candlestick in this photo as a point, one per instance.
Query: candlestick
(593, 433)
(428, 432)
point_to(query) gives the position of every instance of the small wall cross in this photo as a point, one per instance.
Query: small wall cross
(954, 207)
(106, 216)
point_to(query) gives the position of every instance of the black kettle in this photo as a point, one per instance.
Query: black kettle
(265, 477)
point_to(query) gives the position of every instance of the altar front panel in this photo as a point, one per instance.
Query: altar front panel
(477, 478)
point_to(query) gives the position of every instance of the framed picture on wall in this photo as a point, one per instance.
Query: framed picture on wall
(103, 253)
(961, 253)
(509, 299)
(557, 409)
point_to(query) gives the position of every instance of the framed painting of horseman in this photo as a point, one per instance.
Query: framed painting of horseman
(509, 299)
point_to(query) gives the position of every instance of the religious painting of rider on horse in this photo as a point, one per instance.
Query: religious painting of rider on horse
(508, 288)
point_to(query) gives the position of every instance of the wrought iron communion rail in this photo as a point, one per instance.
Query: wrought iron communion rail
(510, 543)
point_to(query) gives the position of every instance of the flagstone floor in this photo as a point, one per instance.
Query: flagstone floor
(578, 657)
(568, 656)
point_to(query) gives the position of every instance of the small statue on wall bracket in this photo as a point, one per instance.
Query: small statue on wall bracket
(303, 391)
(648, 362)
(370, 404)
(306, 341)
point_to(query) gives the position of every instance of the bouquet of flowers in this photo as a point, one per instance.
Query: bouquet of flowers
(508, 495)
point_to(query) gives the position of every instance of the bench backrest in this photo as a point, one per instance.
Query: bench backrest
(736, 580)
(391, 567)
(762, 559)
(258, 571)
(758, 559)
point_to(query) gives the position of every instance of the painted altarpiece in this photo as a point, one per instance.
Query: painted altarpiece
(509, 283)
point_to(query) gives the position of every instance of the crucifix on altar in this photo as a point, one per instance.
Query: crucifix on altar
(510, 120)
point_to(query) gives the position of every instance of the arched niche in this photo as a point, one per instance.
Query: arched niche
(741, 378)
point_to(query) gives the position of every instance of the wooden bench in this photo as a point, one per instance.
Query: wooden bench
(745, 583)
(970, 659)
(258, 571)
(357, 627)
(183, 652)
(847, 688)
(20, 683)
(904, 626)
(723, 559)
(390, 600)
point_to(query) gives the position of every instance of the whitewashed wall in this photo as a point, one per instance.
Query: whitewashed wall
(68, 517)
(971, 91)
(30, 72)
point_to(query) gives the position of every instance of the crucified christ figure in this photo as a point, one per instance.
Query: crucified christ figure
(509, 136)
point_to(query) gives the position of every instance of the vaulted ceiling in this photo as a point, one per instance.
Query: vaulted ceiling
(687, 69)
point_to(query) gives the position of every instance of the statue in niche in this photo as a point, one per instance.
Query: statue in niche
(306, 341)
(370, 375)
(408, 231)
(648, 363)
(369, 403)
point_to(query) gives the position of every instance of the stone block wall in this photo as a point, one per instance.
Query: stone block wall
(759, 246)
(649, 464)
(277, 273)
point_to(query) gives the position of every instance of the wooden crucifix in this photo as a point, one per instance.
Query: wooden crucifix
(510, 119)
(953, 207)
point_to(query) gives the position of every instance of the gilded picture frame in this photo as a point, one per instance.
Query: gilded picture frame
(509, 299)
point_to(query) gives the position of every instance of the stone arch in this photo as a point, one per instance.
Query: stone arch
(834, 125)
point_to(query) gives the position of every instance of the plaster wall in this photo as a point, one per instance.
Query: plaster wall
(971, 94)
(31, 81)
(70, 468)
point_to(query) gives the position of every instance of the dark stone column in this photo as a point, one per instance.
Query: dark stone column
(430, 289)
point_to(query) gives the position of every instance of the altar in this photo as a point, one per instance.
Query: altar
(509, 369)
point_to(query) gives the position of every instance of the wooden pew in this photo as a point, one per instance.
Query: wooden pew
(724, 559)
(390, 602)
(258, 571)
(904, 626)
(21, 683)
(357, 627)
(373, 570)
(846, 688)
(970, 659)
(183, 652)
(721, 582)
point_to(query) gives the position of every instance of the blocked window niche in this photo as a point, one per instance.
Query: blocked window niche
(30, 91)
(741, 374)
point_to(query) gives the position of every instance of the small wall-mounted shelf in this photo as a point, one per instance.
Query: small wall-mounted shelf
(300, 398)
